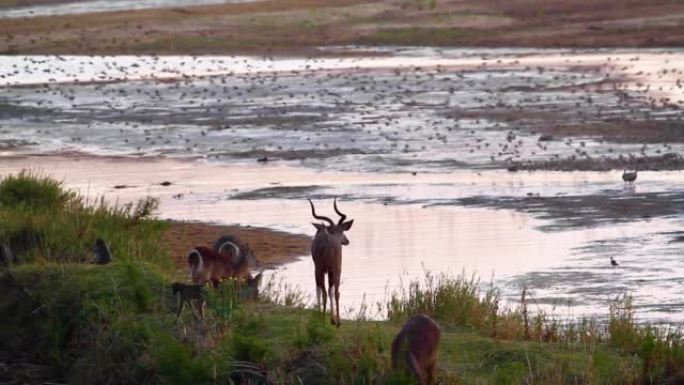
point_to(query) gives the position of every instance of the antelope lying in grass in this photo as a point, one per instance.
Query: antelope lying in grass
(415, 348)
(326, 250)
(226, 260)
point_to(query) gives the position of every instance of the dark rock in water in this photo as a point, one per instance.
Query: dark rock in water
(263, 159)
(102, 254)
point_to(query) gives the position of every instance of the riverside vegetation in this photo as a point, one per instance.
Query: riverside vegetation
(69, 321)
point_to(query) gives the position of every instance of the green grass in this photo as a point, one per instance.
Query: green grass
(417, 36)
(30, 191)
(44, 222)
(115, 323)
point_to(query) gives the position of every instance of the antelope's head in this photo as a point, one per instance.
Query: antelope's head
(335, 232)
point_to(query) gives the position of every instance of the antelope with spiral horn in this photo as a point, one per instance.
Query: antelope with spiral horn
(326, 250)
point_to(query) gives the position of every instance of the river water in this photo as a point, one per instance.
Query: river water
(413, 141)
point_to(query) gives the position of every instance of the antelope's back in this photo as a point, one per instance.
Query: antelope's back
(325, 251)
(212, 259)
(420, 335)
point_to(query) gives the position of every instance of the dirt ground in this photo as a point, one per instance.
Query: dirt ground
(300, 26)
(270, 247)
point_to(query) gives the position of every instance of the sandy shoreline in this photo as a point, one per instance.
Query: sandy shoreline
(270, 247)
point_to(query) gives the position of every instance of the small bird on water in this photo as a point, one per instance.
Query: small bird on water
(629, 176)
(613, 262)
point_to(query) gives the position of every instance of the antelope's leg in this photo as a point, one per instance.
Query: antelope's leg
(337, 302)
(320, 289)
(333, 290)
(202, 305)
(193, 307)
(331, 293)
(414, 367)
(430, 373)
(180, 305)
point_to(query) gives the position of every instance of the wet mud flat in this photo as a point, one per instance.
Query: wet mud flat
(585, 211)
(414, 110)
(668, 161)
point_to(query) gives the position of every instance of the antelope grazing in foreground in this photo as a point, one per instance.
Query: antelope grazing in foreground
(227, 260)
(415, 348)
(326, 250)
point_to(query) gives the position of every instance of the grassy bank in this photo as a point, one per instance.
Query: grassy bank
(115, 323)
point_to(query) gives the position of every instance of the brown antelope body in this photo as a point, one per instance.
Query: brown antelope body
(326, 250)
(415, 348)
(207, 265)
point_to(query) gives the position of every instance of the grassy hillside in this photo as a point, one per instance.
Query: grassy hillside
(69, 321)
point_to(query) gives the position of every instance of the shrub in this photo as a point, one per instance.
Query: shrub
(28, 190)
(318, 330)
(250, 348)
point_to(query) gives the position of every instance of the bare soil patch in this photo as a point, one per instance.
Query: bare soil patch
(300, 26)
(270, 247)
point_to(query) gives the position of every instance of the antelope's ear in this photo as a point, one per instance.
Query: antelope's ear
(318, 226)
(347, 225)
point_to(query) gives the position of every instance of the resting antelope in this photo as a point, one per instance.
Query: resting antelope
(326, 250)
(415, 348)
(207, 265)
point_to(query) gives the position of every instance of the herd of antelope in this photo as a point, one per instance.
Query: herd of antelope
(413, 349)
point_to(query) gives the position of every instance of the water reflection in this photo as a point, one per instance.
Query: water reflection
(390, 242)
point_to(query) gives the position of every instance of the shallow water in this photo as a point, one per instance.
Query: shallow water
(90, 6)
(415, 110)
(405, 225)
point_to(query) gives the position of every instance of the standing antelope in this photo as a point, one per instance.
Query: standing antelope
(326, 250)
(415, 348)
